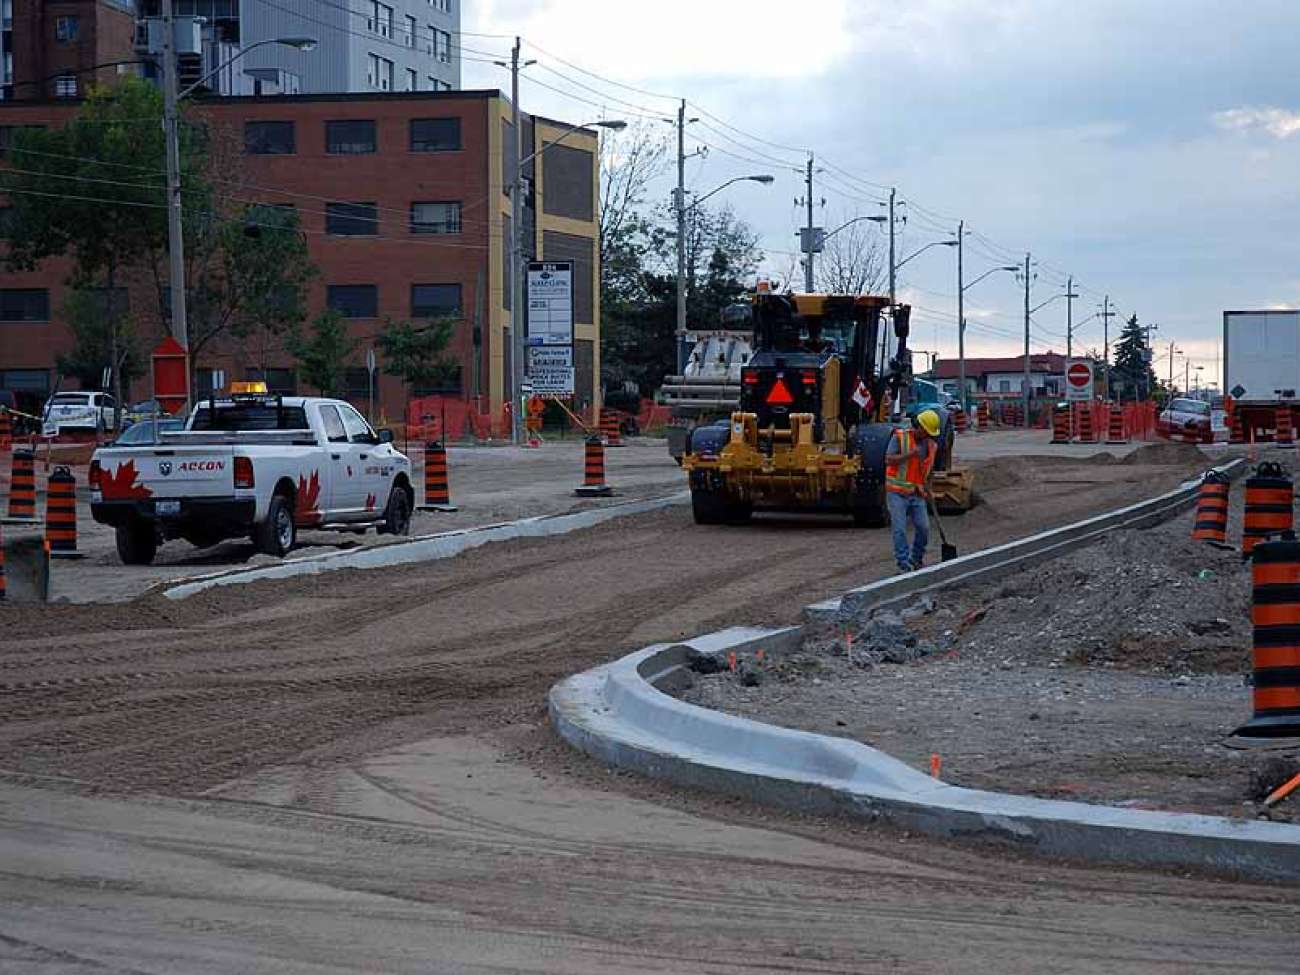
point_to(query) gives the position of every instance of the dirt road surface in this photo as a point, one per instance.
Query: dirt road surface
(354, 773)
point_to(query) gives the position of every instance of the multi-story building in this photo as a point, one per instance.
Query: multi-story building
(57, 48)
(404, 202)
(362, 45)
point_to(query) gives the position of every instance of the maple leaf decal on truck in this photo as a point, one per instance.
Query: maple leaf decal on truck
(370, 502)
(307, 510)
(121, 486)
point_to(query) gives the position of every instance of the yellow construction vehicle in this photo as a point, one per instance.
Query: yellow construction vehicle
(815, 417)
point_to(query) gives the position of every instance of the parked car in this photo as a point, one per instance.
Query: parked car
(254, 466)
(23, 405)
(143, 410)
(1186, 418)
(143, 431)
(78, 411)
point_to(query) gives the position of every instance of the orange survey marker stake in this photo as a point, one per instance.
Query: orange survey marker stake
(1282, 791)
(936, 765)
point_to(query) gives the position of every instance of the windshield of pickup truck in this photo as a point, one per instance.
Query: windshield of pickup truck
(233, 417)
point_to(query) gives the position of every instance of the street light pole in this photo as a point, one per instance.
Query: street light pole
(681, 237)
(518, 313)
(175, 230)
(810, 243)
(1069, 316)
(893, 271)
(961, 318)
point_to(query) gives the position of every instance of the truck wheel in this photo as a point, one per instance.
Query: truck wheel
(137, 543)
(397, 514)
(276, 535)
(708, 508)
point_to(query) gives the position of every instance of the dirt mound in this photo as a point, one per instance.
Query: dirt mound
(994, 475)
(1167, 454)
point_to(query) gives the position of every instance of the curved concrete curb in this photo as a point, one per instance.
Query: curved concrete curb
(425, 548)
(617, 714)
(620, 714)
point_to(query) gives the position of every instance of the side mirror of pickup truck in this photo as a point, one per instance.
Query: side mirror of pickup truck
(385, 436)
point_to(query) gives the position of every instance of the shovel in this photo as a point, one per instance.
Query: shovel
(946, 552)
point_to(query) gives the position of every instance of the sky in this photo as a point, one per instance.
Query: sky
(1150, 149)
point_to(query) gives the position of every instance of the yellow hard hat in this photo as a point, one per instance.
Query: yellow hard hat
(929, 421)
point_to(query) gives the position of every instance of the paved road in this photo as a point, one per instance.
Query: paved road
(354, 773)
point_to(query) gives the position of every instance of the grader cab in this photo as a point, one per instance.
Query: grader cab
(814, 420)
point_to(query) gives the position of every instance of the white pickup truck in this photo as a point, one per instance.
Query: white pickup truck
(253, 466)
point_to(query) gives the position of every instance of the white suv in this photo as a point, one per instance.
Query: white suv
(78, 411)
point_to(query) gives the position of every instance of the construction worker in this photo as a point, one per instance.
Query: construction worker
(908, 463)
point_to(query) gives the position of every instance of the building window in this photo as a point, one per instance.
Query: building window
(443, 5)
(24, 305)
(379, 73)
(351, 137)
(381, 19)
(66, 29)
(435, 301)
(412, 29)
(1004, 385)
(442, 45)
(279, 382)
(435, 134)
(351, 219)
(353, 300)
(412, 80)
(268, 138)
(435, 218)
(356, 383)
(447, 381)
(65, 86)
(569, 190)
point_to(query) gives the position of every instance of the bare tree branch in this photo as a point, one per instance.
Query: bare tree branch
(628, 163)
(853, 262)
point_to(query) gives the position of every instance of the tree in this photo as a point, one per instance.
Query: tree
(101, 327)
(323, 357)
(93, 191)
(629, 162)
(1131, 375)
(415, 353)
(853, 261)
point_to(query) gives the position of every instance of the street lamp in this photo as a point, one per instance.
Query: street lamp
(518, 312)
(922, 250)
(763, 178)
(171, 134)
(962, 288)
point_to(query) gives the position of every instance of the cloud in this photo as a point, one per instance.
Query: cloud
(1281, 123)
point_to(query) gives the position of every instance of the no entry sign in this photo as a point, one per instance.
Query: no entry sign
(1078, 380)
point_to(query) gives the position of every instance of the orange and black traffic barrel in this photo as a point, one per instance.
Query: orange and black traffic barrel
(610, 426)
(593, 470)
(61, 514)
(1275, 615)
(1060, 424)
(1285, 437)
(1268, 506)
(1211, 524)
(22, 486)
(437, 489)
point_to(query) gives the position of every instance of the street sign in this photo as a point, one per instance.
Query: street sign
(171, 375)
(370, 361)
(550, 303)
(1078, 380)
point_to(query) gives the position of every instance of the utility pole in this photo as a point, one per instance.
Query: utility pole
(1069, 316)
(1106, 316)
(175, 230)
(961, 317)
(1028, 388)
(893, 296)
(1171, 369)
(680, 196)
(811, 242)
(519, 313)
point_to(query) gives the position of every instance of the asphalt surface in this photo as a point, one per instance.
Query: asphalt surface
(354, 772)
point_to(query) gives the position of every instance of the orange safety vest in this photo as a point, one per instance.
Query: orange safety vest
(912, 478)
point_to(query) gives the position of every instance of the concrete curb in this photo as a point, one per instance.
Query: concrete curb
(989, 563)
(425, 548)
(621, 715)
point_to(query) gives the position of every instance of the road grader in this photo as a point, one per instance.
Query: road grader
(818, 405)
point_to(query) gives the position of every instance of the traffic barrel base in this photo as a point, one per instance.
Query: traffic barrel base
(1275, 615)
(61, 515)
(22, 489)
(437, 491)
(593, 473)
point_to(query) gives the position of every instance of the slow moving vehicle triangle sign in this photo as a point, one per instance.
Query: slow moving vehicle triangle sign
(779, 394)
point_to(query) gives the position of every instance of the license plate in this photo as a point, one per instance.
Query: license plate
(167, 507)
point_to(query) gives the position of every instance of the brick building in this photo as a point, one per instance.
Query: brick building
(403, 201)
(54, 48)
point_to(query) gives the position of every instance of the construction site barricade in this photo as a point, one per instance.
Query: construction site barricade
(61, 514)
(983, 416)
(593, 470)
(1268, 510)
(1061, 424)
(1211, 521)
(6, 429)
(1275, 617)
(22, 486)
(1285, 429)
(1087, 430)
(1115, 429)
(1235, 433)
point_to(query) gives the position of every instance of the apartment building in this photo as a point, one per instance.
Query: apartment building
(404, 202)
(57, 48)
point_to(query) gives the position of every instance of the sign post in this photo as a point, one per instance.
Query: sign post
(550, 328)
(370, 372)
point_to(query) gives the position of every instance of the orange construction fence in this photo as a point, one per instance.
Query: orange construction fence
(450, 418)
